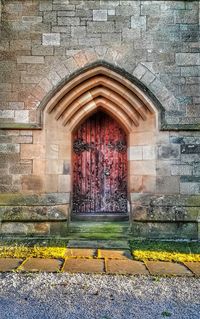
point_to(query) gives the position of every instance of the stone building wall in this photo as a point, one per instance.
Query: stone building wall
(155, 44)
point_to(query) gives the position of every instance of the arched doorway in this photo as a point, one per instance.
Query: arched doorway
(99, 166)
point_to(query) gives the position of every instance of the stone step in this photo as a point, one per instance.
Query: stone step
(100, 217)
(99, 230)
(99, 227)
(98, 244)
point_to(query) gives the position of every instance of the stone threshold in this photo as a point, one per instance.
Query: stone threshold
(102, 261)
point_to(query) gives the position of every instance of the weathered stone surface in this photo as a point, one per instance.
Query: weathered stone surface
(166, 152)
(39, 264)
(9, 264)
(161, 268)
(190, 149)
(31, 213)
(17, 228)
(48, 199)
(51, 39)
(84, 265)
(114, 254)
(80, 253)
(194, 267)
(125, 267)
(100, 15)
(173, 230)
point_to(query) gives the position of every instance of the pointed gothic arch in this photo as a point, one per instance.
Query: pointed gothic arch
(96, 88)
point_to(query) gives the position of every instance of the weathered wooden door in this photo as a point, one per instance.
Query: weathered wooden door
(99, 166)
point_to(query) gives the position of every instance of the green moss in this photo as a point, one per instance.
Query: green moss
(193, 201)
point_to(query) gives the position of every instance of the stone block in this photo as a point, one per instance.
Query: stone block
(190, 70)
(80, 253)
(68, 13)
(167, 185)
(148, 152)
(45, 5)
(190, 149)
(18, 228)
(139, 71)
(52, 151)
(51, 39)
(6, 114)
(181, 169)
(135, 153)
(125, 267)
(188, 59)
(142, 138)
(30, 59)
(5, 179)
(187, 16)
(138, 22)
(34, 200)
(9, 264)
(111, 12)
(9, 148)
(135, 183)
(24, 168)
(16, 105)
(64, 183)
(51, 183)
(84, 266)
(43, 49)
(100, 15)
(78, 32)
(68, 21)
(170, 230)
(100, 27)
(39, 264)
(189, 188)
(34, 213)
(148, 184)
(114, 254)
(63, 6)
(32, 183)
(193, 267)
(143, 167)
(166, 152)
(22, 116)
(32, 151)
(162, 268)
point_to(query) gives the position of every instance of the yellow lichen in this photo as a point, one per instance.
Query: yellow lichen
(164, 256)
(34, 251)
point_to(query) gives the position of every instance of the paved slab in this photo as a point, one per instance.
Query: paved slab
(84, 266)
(9, 264)
(157, 268)
(194, 267)
(114, 254)
(39, 264)
(104, 244)
(131, 267)
(81, 253)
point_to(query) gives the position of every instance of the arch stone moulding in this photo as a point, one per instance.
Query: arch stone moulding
(111, 87)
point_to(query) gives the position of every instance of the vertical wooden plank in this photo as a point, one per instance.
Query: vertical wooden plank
(100, 166)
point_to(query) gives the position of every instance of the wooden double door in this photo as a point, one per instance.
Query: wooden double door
(99, 167)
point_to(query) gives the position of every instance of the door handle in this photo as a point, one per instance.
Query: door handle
(107, 172)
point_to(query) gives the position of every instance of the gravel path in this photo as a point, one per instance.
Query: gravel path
(67, 296)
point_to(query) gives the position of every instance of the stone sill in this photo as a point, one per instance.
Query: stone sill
(20, 126)
(37, 126)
